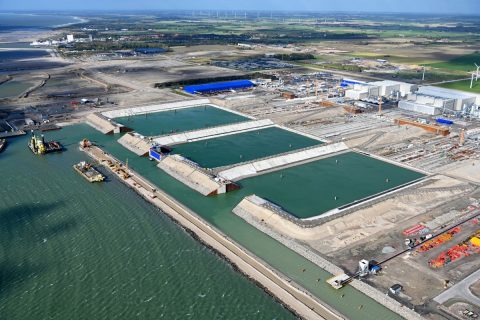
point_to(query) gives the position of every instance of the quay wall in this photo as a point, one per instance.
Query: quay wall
(154, 108)
(253, 168)
(210, 133)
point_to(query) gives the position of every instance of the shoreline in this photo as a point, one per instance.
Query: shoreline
(16, 34)
(288, 293)
(78, 21)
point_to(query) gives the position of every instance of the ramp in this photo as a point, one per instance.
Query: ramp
(195, 177)
(101, 124)
(209, 133)
(135, 143)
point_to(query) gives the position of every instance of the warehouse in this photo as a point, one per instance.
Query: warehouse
(426, 104)
(386, 88)
(389, 88)
(219, 86)
(361, 91)
(459, 98)
(433, 101)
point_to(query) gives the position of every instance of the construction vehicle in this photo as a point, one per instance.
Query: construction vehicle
(339, 281)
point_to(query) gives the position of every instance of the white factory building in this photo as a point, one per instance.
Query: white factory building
(435, 100)
(426, 99)
(461, 99)
(386, 88)
(425, 104)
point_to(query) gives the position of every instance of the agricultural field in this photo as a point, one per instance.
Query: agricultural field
(462, 63)
(447, 48)
(463, 85)
(279, 28)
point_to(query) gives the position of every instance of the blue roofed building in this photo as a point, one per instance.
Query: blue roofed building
(219, 86)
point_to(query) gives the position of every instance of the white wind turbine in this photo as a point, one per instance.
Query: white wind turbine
(476, 75)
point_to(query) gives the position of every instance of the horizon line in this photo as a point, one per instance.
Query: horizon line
(239, 10)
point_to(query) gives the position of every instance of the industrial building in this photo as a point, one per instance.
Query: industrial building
(219, 86)
(389, 88)
(386, 88)
(427, 100)
(435, 100)
(361, 91)
(460, 99)
(425, 104)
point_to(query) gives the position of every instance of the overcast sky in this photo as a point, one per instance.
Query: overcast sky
(414, 6)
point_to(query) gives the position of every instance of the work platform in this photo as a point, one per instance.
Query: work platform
(260, 208)
(213, 132)
(192, 175)
(256, 167)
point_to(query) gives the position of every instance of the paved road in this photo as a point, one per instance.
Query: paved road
(461, 290)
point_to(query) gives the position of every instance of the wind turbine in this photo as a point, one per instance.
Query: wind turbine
(476, 75)
(471, 81)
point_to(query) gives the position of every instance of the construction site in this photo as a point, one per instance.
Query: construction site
(379, 182)
(377, 163)
(339, 169)
(441, 150)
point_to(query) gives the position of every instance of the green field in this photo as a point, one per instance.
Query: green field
(309, 190)
(242, 147)
(463, 85)
(462, 63)
(411, 59)
(180, 120)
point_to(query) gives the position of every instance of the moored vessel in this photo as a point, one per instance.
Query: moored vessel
(87, 171)
(38, 145)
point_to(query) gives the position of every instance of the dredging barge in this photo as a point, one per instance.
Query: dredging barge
(87, 171)
(38, 145)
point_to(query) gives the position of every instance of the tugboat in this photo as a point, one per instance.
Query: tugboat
(87, 171)
(39, 146)
(3, 144)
